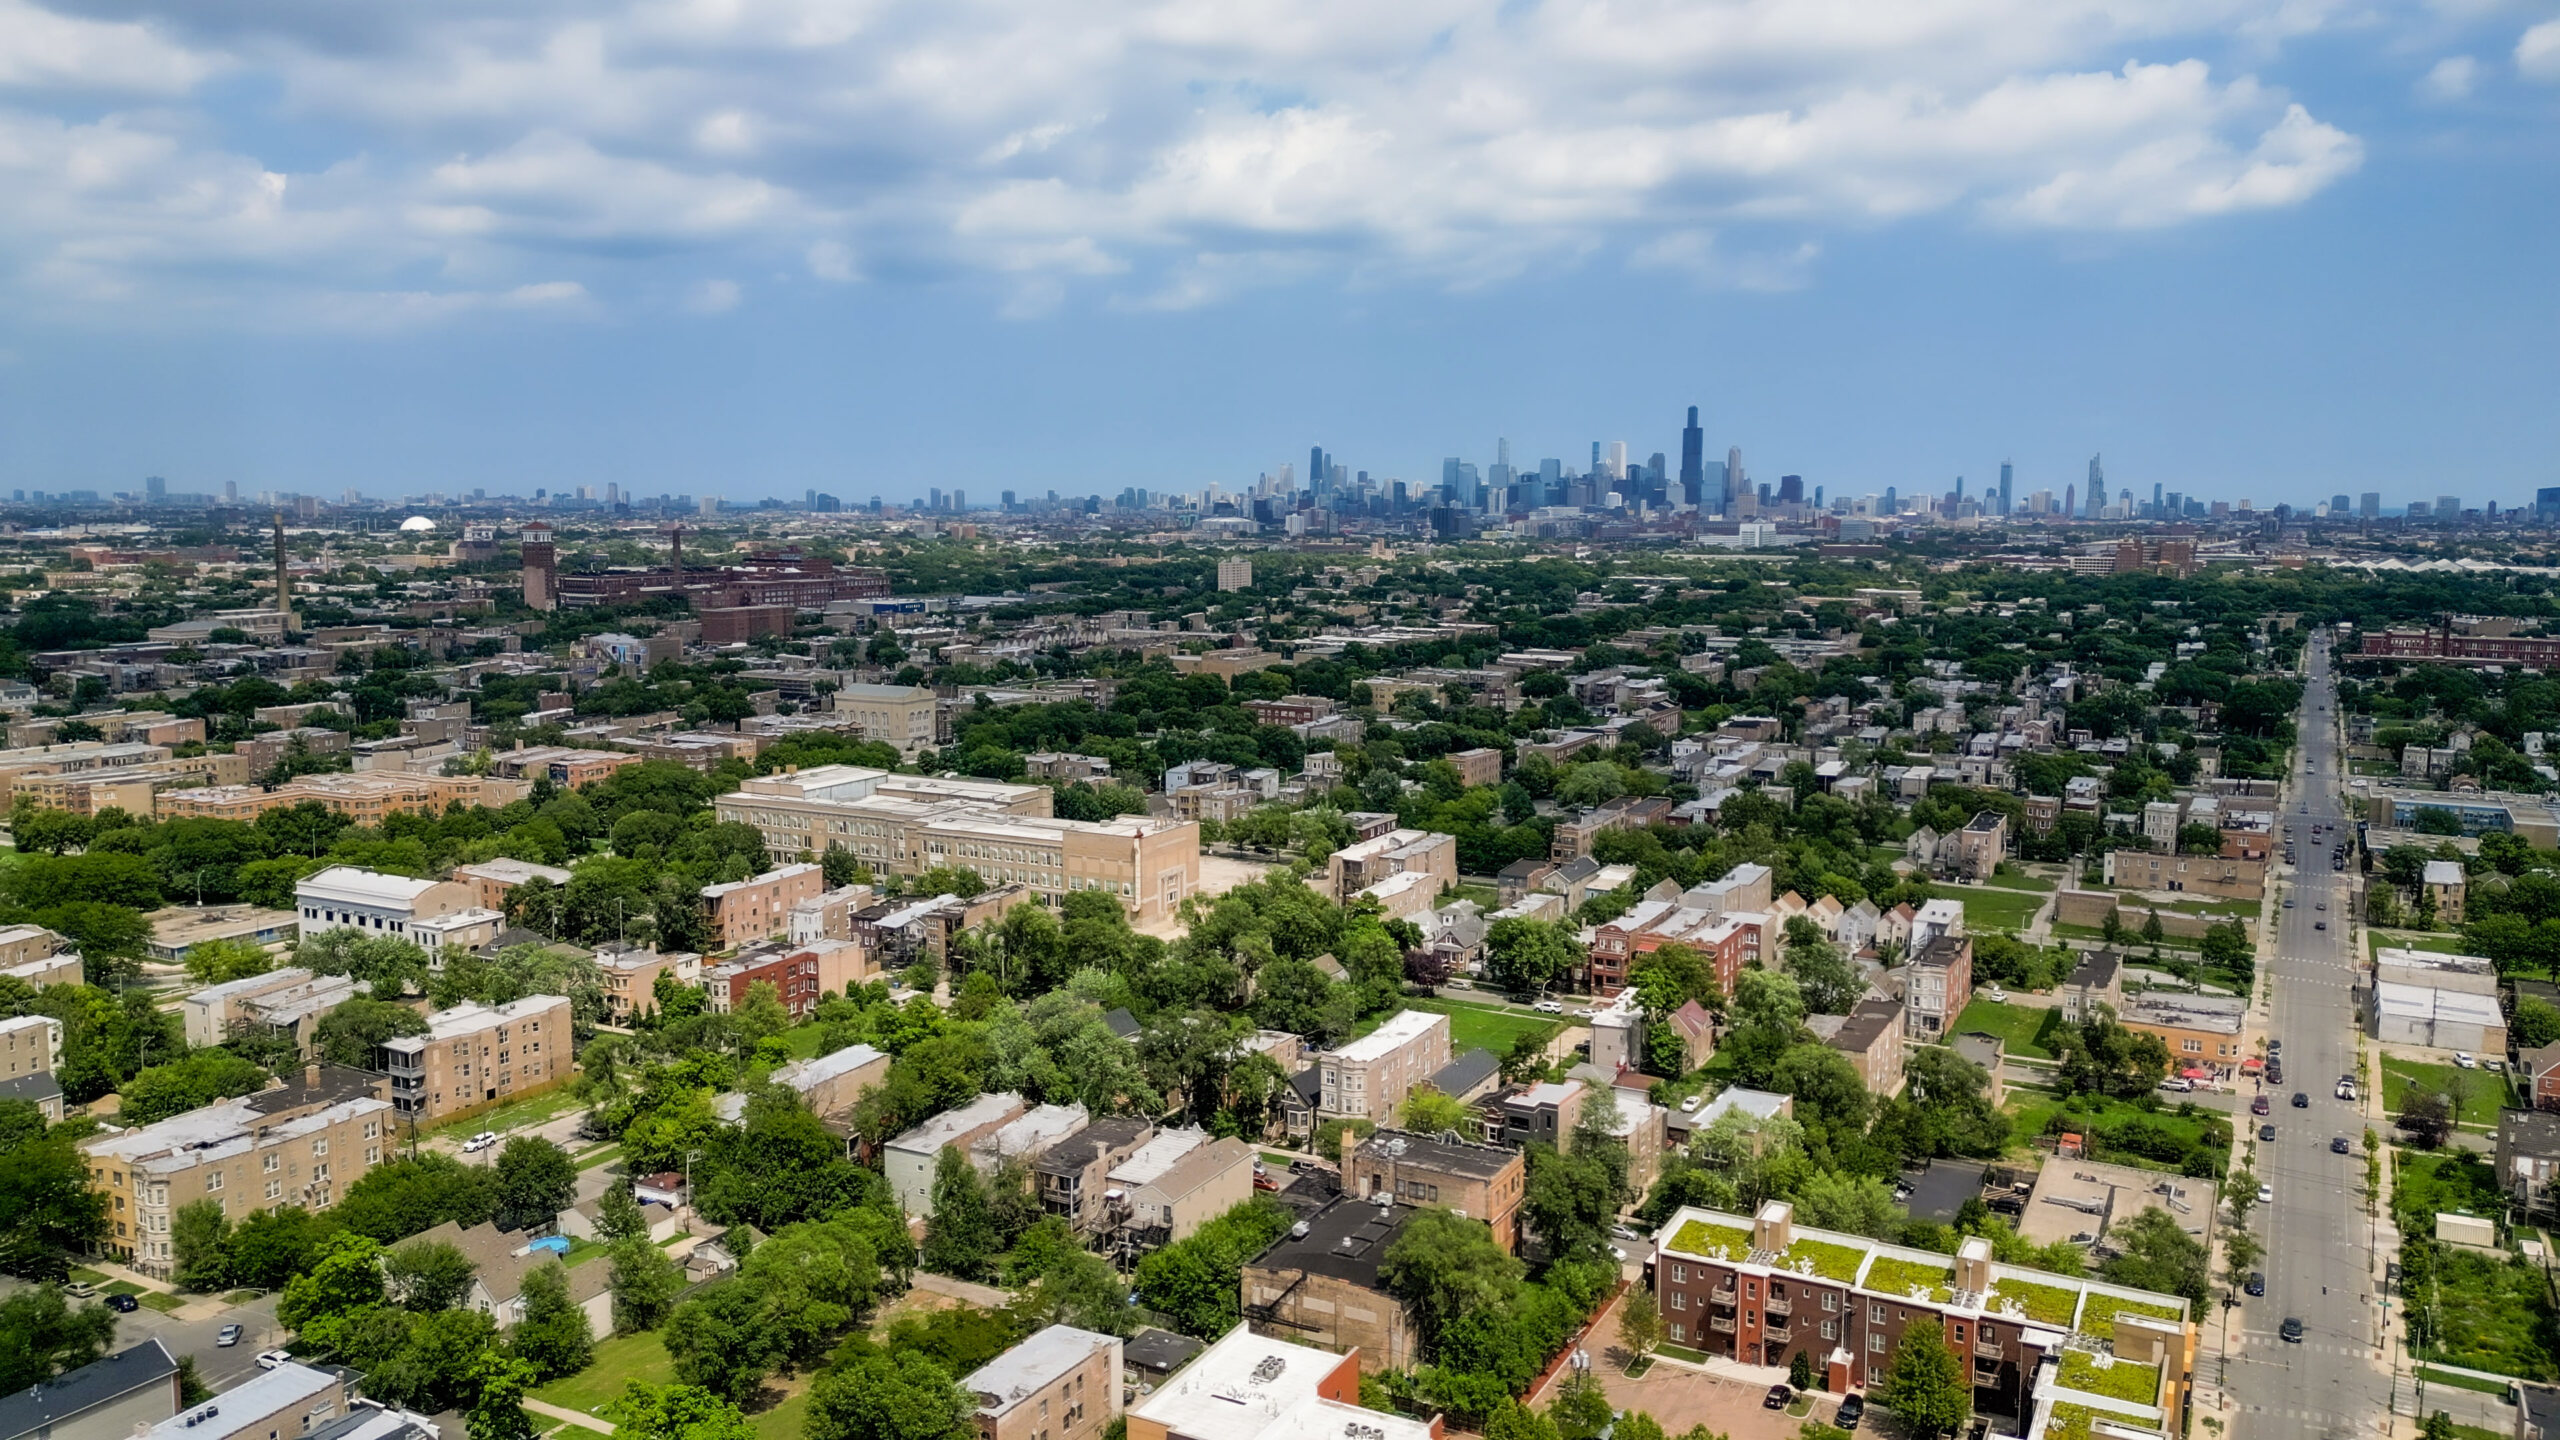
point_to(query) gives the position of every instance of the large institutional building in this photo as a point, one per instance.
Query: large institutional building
(908, 824)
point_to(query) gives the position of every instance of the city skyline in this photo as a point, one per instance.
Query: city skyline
(753, 253)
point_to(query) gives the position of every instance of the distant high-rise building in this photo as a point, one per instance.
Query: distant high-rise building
(2155, 497)
(2006, 475)
(1733, 480)
(1617, 459)
(2448, 507)
(1318, 472)
(2546, 505)
(2369, 505)
(1791, 489)
(1892, 506)
(2097, 486)
(2337, 504)
(1817, 497)
(1235, 574)
(230, 492)
(1693, 455)
(2070, 500)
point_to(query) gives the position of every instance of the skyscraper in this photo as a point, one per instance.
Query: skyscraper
(1317, 471)
(2070, 501)
(1732, 480)
(2369, 505)
(2337, 504)
(2005, 478)
(2448, 507)
(1693, 455)
(1791, 489)
(2097, 486)
(1617, 459)
(2155, 499)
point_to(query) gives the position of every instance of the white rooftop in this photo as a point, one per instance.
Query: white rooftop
(1031, 1366)
(1253, 1387)
(950, 1125)
(1150, 1161)
(2444, 872)
(806, 1075)
(471, 1017)
(1401, 1029)
(265, 1392)
(347, 884)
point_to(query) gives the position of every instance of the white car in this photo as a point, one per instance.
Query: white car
(479, 1142)
(270, 1359)
(1550, 1007)
(1997, 994)
(1585, 1013)
(2463, 1059)
(2494, 1067)
(1690, 1105)
(2266, 1194)
(2178, 1082)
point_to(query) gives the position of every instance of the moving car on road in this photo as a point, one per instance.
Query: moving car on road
(227, 1336)
(2266, 1194)
(2257, 1283)
(2291, 1330)
(2301, 1101)
(479, 1142)
(2266, 1132)
(2338, 1145)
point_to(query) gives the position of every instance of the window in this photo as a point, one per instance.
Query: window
(1830, 1329)
(1959, 1334)
(274, 1188)
(1875, 1341)
(320, 1147)
(212, 1181)
(1679, 1274)
(1875, 1314)
(1830, 1301)
(1679, 1299)
(273, 1160)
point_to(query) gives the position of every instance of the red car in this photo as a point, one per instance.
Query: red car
(2259, 1106)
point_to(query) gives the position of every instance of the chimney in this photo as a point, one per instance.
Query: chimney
(1775, 1228)
(311, 1075)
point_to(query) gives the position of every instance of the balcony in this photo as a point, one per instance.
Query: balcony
(1987, 1350)
(1724, 1296)
(1777, 1306)
(1721, 1324)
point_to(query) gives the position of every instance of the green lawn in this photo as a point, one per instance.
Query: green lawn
(2483, 1094)
(2375, 940)
(2013, 881)
(1484, 1026)
(2132, 937)
(1994, 908)
(2449, 1182)
(601, 1155)
(2492, 1315)
(803, 1040)
(2016, 1025)
(161, 1301)
(785, 1420)
(2434, 1376)
(619, 1361)
(549, 1105)
(2122, 1132)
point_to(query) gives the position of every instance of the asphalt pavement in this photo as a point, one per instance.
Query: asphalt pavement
(2322, 1265)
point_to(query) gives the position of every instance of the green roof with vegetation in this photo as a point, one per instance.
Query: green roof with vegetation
(1700, 1237)
(1892, 1275)
(2121, 1380)
(2099, 1318)
(1831, 1262)
(2044, 1304)
(2069, 1422)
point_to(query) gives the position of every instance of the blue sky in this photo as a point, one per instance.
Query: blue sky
(2272, 249)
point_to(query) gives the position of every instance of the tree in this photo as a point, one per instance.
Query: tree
(405, 1197)
(1925, 1386)
(618, 1216)
(1511, 1420)
(216, 961)
(200, 1235)
(498, 1383)
(718, 1340)
(1640, 1327)
(761, 1014)
(1800, 1370)
(1581, 1409)
(2104, 1058)
(351, 1034)
(2536, 1023)
(1428, 1112)
(881, 1397)
(345, 1275)
(191, 1083)
(427, 1275)
(2427, 1116)
(1443, 1265)
(645, 1283)
(676, 1412)
(536, 1181)
(960, 1238)
(53, 1213)
(2160, 1256)
(1831, 985)
(552, 1336)
(2226, 945)
(1527, 956)
(42, 1335)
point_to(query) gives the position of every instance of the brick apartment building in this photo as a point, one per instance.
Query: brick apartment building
(745, 911)
(474, 1055)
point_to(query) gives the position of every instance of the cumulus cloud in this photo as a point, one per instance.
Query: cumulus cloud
(2450, 78)
(2538, 53)
(1167, 153)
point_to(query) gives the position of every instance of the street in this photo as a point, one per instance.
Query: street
(2321, 1265)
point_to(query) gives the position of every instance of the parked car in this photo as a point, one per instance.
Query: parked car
(2493, 1066)
(1550, 1007)
(270, 1359)
(2266, 1194)
(2257, 1282)
(2266, 1132)
(228, 1336)
(1853, 1408)
(123, 1304)
(1690, 1105)
(80, 1290)
(1778, 1397)
(2178, 1082)
(479, 1142)
(2291, 1330)
(2462, 1058)
(2259, 1106)
(2338, 1145)
(1998, 994)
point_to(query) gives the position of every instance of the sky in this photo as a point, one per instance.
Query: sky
(2244, 249)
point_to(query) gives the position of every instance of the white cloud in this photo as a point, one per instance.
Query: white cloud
(713, 297)
(2538, 53)
(2451, 78)
(1164, 152)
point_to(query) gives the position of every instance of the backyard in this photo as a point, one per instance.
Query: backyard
(2491, 1314)
(619, 1361)
(2016, 1025)
(2180, 1139)
(1996, 907)
(1488, 1027)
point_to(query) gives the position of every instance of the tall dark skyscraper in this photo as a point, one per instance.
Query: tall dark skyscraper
(1693, 461)
(2005, 477)
(1319, 475)
(1791, 489)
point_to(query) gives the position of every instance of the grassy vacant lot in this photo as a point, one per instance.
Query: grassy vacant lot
(2122, 1132)
(2411, 940)
(2493, 1315)
(2450, 1182)
(2482, 1094)
(1487, 1026)
(1996, 908)
(2011, 880)
(620, 1360)
(2016, 1025)
(2132, 938)
(549, 1105)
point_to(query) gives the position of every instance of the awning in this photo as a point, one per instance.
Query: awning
(2197, 1072)
(2252, 1064)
